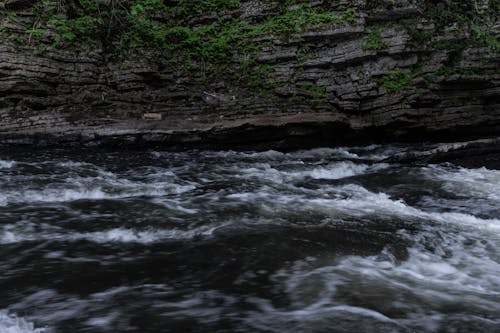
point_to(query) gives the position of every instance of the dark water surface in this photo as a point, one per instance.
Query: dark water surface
(324, 240)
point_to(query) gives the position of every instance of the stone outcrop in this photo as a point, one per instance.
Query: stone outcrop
(471, 154)
(335, 94)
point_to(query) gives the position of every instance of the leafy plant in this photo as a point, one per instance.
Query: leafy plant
(317, 93)
(482, 37)
(374, 40)
(397, 81)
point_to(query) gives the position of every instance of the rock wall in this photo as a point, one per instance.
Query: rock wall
(329, 86)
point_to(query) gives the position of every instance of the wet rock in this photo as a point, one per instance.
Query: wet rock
(470, 154)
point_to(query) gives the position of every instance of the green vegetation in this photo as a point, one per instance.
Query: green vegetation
(189, 7)
(209, 39)
(215, 46)
(418, 37)
(135, 25)
(465, 16)
(482, 37)
(198, 37)
(452, 45)
(317, 94)
(304, 54)
(448, 70)
(397, 81)
(374, 41)
(309, 94)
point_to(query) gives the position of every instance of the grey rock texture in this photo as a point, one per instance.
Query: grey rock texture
(66, 97)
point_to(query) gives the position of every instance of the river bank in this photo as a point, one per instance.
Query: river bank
(254, 73)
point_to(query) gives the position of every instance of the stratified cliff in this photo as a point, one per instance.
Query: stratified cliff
(285, 73)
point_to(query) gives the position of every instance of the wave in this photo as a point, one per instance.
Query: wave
(332, 171)
(10, 323)
(361, 202)
(339, 318)
(7, 164)
(479, 183)
(354, 201)
(374, 152)
(11, 235)
(374, 289)
(83, 193)
(93, 188)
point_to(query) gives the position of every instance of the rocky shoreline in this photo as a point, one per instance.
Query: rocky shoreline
(469, 154)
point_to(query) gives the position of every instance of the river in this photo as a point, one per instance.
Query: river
(322, 240)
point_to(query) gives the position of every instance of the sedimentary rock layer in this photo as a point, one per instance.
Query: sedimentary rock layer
(329, 86)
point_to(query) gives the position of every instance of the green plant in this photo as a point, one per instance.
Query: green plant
(482, 37)
(446, 71)
(15, 38)
(397, 81)
(295, 99)
(37, 33)
(316, 92)
(469, 17)
(448, 45)
(374, 40)
(418, 36)
(305, 57)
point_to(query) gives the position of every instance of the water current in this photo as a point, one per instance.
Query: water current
(323, 240)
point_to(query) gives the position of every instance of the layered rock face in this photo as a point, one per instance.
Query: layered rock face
(389, 74)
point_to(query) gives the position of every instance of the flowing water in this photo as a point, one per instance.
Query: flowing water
(324, 240)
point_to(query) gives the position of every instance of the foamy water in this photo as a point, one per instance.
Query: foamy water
(7, 164)
(10, 323)
(322, 240)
